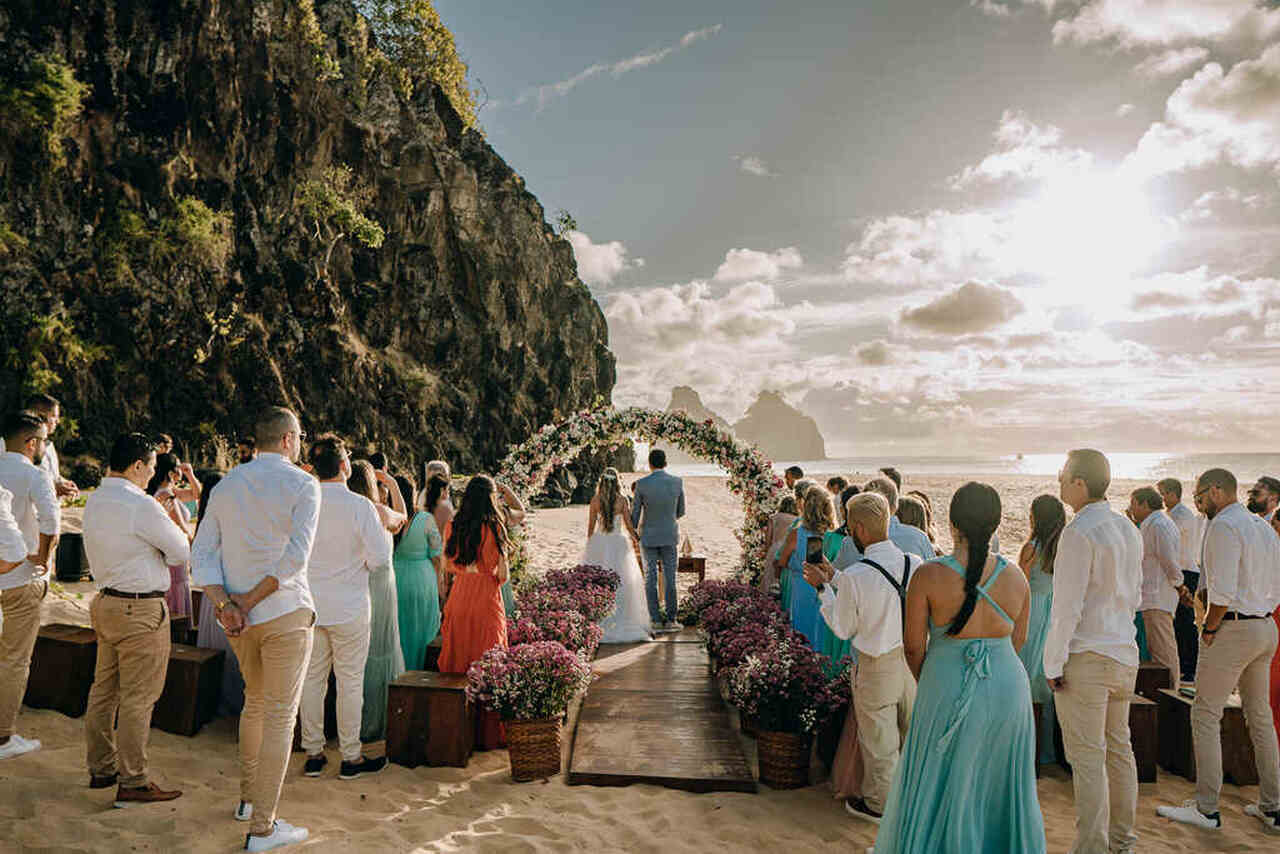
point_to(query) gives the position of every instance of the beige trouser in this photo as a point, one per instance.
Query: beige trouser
(1093, 710)
(273, 660)
(21, 608)
(1241, 654)
(883, 693)
(1162, 643)
(133, 658)
(345, 648)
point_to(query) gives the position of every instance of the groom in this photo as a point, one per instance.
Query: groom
(660, 502)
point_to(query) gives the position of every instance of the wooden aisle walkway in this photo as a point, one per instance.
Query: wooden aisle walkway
(655, 716)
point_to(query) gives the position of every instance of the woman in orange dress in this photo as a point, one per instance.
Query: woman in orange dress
(475, 621)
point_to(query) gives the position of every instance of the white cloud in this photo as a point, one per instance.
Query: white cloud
(547, 92)
(600, 263)
(1209, 205)
(938, 247)
(753, 165)
(972, 307)
(1217, 116)
(742, 264)
(1124, 110)
(1024, 151)
(1171, 62)
(1131, 23)
(992, 7)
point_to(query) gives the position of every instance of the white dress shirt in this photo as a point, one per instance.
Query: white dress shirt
(35, 508)
(1161, 559)
(13, 546)
(1097, 587)
(129, 539)
(1190, 535)
(1241, 562)
(350, 541)
(910, 539)
(49, 462)
(260, 521)
(860, 603)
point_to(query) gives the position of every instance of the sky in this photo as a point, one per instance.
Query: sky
(936, 227)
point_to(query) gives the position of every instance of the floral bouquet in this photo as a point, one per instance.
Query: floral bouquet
(705, 593)
(781, 688)
(723, 616)
(570, 628)
(581, 576)
(528, 682)
(594, 601)
(732, 646)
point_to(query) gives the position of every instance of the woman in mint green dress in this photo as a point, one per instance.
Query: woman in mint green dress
(966, 781)
(418, 564)
(1048, 517)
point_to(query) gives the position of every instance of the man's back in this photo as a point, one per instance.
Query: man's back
(659, 503)
(350, 541)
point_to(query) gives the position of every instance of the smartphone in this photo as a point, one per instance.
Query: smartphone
(813, 550)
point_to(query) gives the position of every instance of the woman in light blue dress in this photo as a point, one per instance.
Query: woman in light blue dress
(1048, 517)
(817, 517)
(418, 564)
(966, 781)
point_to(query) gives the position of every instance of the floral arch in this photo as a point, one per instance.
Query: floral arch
(751, 475)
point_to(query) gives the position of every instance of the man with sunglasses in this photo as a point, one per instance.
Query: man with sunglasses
(1240, 588)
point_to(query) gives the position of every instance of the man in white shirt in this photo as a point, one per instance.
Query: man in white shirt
(1190, 533)
(1241, 589)
(909, 538)
(35, 509)
(48, 408)
(1264, 496)
(1091, 654)
(250, 555)
(130, 542)
(350, 541)
(1162, 585)
(865, 603)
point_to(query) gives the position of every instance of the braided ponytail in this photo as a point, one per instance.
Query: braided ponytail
(975, 512)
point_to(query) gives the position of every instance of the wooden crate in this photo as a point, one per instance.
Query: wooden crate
(696, 565)
(1177, 751)
(1144, 736)
(1152, 679)
(429, 721)
(62, 667)
(191, 688)
(433, 655)
(70, 561)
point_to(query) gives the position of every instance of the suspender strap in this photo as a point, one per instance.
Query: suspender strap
(901, 588)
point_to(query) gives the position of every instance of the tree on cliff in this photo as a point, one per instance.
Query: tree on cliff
(334, 205)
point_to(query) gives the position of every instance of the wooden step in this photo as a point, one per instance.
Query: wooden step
(62, 668)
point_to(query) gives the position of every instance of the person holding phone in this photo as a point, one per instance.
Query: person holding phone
(804, 546)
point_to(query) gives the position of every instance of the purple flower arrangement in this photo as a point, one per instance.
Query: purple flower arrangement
(704, 594)
(569, 628)
(782, 687)
(528, 682)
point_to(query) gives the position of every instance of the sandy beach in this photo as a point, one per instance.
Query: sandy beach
(48, 806)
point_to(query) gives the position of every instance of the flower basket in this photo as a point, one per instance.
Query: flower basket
(534, 747)
(784, 759)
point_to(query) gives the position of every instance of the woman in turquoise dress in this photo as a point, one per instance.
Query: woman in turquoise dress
(817, 517)
(966, 781)
(1048, 517)
(418, 564)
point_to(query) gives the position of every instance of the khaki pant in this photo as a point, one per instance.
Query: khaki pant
(21, 608)
(133, 658)
(1093, 710)
(883, 693)
(1162, 643)
(273, 660)
(1241, 654)
(345, 648)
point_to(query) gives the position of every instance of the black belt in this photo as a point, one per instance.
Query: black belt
(1236, 615)
(120, 594)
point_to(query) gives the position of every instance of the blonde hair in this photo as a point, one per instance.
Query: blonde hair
(607, 492)
(802, 486)
(870, 509)
(818, 514)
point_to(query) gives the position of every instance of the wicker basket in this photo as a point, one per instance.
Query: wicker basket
(534, 747)
(784, 759)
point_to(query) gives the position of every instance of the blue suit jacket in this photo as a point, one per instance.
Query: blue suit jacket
(659, 502)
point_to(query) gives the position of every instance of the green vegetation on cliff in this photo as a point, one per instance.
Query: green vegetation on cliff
(41, 98)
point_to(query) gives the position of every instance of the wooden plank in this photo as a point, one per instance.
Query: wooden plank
(1177, 747)
(1144, 737)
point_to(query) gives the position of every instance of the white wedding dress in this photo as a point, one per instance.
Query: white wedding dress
(613, 551)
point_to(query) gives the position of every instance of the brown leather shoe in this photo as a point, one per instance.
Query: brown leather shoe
(106, 781)
(148, 794)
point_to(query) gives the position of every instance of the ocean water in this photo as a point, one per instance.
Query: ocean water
(1247, 467)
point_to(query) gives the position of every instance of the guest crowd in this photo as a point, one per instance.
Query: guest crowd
(320, 564)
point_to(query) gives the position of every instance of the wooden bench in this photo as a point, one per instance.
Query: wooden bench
(433, 654)
(429, 720)
(62, 668)
(1144, 735)
(1152, 679)
(192, 685)
(1177, 751)
(697, 565)
(182, 632)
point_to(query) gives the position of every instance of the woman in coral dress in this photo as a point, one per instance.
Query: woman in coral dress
(475, 621)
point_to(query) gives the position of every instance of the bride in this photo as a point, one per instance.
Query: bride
(612, 544)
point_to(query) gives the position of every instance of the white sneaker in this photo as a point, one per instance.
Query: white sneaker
(673, 626)
(282, 834)
(1270, 820)
(244, 812)
(1189, 813)
(17, 745)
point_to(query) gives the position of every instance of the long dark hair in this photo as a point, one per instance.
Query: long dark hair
(407, 490)
(479, 510)
(975, 512)
(165, 465)
(207, 483)
(1048, 518)
(437, 486)
(362, 481)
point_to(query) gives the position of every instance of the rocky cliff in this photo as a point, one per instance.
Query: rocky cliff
(160, 268)
(783, 432)
(687, 400)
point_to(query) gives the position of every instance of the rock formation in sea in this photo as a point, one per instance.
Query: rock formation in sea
(782, 431)
(169, 258)
(687, 400)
